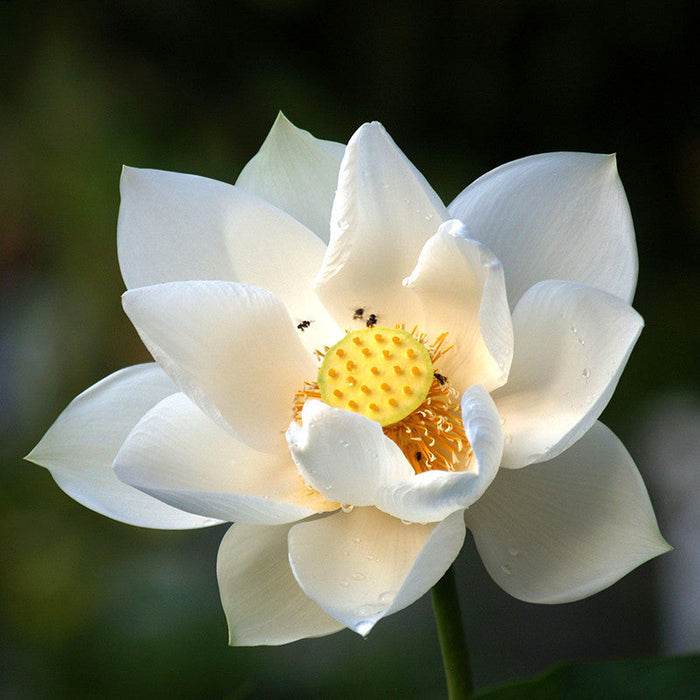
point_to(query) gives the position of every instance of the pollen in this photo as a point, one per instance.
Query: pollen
(369, 390)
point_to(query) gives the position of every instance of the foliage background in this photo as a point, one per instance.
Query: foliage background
(91, 607)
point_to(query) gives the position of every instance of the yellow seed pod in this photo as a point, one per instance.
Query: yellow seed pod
(382, 373)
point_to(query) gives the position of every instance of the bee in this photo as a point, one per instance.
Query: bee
(304, 325)
(359, 313)
(371, 321)
(440, 377)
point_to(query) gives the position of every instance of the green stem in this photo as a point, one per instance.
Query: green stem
(455, 655)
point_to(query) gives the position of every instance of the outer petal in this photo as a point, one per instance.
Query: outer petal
(175, 227)
(262, 600)
(433, 495)
(230, 347)
(555, 216)
(571, 345)
(297, 173)
(461, 286)
(383, 213)
(345, 456)
(80, 446)
(363, 565)
(565, 529)
(179, 455)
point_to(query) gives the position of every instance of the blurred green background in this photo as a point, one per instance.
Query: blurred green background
(93, 608)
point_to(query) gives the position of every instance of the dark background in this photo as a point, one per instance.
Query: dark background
(90, 607)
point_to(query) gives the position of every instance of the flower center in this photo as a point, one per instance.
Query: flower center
(389, 375)
(382, 373)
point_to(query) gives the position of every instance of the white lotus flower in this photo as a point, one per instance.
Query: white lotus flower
(436, 402)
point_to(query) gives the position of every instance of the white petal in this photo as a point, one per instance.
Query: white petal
(554, 216)
(262, 600)
(297, 173)
(179, 455)
(345, 456)
(81, 445)
(364, 565)
(433, 495)
(461, 286)
(175, 228)
(571, 345)
(383, 213)
(565, 529)
(230, 347)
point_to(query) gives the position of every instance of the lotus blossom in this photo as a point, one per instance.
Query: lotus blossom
(353, 373)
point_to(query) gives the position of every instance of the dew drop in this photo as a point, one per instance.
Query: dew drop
(586, 373)
(533, 458)
(508, 439)
(386, 597)
(346, 507)
(513, 551)
(581, 341)
(358, 576)
(370, 557)
(343, 224)
(573, 329)
(505, 568)
(406, 522)
(503, 420)
(345, 584)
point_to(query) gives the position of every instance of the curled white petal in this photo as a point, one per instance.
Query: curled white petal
(433, 495)
(555, 216)
(345, 456)
(79, 448)
(260, 596)
(364, 565)
(571, 344)
(462, 289)
(565, 529)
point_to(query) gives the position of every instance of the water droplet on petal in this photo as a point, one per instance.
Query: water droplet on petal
(586, 372)
(386, 597)
(513, 551)
(358, 576)
(581, 341)
(406, 522)
(345, 584)
(505, 568)
(508, 439)
(346, 507)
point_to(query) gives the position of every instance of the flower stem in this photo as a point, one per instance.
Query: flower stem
(453, 643)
